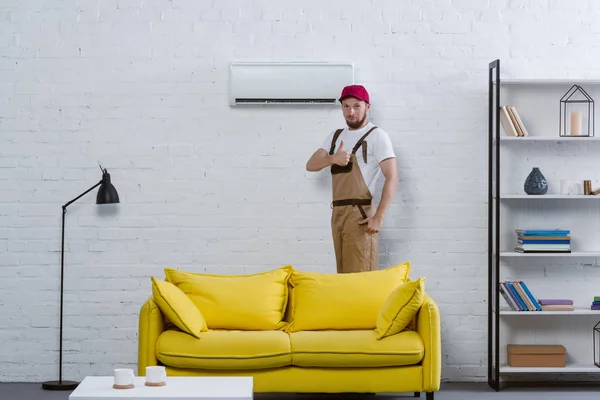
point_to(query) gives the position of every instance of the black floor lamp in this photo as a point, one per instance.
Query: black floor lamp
(107, 194)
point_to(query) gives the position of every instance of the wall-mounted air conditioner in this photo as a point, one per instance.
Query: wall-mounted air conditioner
(314, 83)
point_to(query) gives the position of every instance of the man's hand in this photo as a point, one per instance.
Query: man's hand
(373, 223)
(341, 157)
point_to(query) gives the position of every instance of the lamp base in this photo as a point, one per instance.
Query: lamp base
(59, 385)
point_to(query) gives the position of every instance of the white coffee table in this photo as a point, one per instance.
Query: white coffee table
(177, 388)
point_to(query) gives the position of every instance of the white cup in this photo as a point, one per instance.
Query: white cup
(577, 187)
(123, 376)
(156, 374)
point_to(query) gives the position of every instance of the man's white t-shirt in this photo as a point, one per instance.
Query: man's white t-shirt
(379, 148)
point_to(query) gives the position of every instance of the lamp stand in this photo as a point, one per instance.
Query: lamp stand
(60, 384)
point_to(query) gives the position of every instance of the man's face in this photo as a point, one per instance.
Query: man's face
(355, 112)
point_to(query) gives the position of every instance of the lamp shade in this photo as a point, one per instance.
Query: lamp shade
(107, 194)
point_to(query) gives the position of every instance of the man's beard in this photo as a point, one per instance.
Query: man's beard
(356, 124)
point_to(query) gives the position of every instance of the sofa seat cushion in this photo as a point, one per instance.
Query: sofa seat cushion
(358, 348)
(226, 350)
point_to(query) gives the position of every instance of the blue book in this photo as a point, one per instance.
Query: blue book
(525, 241)
(543, 232)
(531, 297)
(514, 291)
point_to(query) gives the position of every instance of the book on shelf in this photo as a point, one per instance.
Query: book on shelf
(543, 232)
(558, 308)
(543, 241)
(519, 297)
(511, 121)
(556, 304)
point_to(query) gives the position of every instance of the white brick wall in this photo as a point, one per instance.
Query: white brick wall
(141, 87)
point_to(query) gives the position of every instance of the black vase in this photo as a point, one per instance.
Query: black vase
(536, 183)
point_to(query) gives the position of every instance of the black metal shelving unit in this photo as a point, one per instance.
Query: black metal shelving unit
(494, 225)
(494, 250)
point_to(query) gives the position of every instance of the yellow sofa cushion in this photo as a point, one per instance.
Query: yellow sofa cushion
(341, 301)
(400, 308)
(355, 349)
(245, 302)
(299, 383)
(225, 350)
(178, 308)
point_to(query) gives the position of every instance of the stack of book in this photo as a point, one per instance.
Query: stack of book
(519, 297)
(596, 303)
(511, 121)
(556, 304)
(543, 241)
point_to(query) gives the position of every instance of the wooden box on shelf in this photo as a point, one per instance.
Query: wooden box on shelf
(525, 355)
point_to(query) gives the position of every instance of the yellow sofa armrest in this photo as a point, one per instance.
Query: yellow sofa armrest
(151, 325)
(428, 327)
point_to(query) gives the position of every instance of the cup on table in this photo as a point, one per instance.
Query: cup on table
(156, 375)
(123, 377)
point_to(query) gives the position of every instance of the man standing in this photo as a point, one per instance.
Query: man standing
(357, 156)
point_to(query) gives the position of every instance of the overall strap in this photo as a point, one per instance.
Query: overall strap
(336, 135)
(360, 141)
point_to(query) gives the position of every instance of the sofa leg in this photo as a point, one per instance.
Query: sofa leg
(429, 396)
(417, 394)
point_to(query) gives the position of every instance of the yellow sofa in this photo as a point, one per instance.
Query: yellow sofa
(295, 331)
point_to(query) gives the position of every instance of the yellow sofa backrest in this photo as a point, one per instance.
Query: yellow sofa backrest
(320, 301)
(289, 299)
(246, 302)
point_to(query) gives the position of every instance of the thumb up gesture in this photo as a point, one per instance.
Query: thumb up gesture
(341, 157)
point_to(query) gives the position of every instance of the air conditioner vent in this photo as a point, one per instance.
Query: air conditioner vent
(285, 101)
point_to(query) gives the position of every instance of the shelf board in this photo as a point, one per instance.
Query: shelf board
(569, 369)
(508, 254)
(557, 138)
(548, 197)
(581, 311)
(566, 81)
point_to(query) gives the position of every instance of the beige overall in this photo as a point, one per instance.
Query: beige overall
(356, 250)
